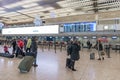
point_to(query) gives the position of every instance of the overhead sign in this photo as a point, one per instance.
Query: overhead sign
(51, 29)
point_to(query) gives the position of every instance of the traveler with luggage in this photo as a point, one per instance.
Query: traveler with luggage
(30, 58)
(20, 45)
(74, 55)
(6, 52)
(68, 60)
(99, 47)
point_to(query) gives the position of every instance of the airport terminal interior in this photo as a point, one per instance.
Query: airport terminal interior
(59, 39)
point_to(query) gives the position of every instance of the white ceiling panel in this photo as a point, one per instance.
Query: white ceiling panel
(27, 9)
(20, 3)
(29, 5)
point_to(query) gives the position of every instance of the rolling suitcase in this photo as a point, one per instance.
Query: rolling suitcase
(92, 56)
(6, 55)
(26, 64)
(68, 61)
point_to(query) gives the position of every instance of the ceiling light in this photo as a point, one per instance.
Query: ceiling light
(2, 11)
(1, 8)
(20, 3)
(31, 9)
(9, 14)
(30, 5)
(36, 9)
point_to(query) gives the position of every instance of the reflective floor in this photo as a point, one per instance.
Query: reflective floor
(51, 66)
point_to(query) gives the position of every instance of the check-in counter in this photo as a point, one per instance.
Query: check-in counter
(117, 48)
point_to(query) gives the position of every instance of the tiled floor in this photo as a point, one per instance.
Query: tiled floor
(51, 66)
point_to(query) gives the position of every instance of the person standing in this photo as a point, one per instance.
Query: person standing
(99, 47)
(28, 45)
(34, 50)
(14, 46)
(88, 44)
(74, 56)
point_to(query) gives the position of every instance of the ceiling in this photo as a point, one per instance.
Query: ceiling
(26, 10)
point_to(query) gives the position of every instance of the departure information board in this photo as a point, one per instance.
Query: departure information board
(80, 27)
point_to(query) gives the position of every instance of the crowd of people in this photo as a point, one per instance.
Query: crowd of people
(22, 46)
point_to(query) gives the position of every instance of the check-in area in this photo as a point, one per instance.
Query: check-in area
(59, 39)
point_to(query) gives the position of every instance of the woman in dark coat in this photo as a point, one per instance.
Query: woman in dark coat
(75, 48)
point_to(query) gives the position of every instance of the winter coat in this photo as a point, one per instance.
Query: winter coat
(34, 46)
(75, 52)
(69, 49)
(29, 43)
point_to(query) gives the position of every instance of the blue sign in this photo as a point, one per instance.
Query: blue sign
(80, 27)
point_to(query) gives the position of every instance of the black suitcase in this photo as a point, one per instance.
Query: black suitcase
(6, 55)
(68, 61)
(30, 54)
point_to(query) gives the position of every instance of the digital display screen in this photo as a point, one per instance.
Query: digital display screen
(80, 27)
(51, 29)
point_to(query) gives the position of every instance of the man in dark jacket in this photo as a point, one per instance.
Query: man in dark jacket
(34, 49)
(75, 48)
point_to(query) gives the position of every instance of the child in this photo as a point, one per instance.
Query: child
(6, 49)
